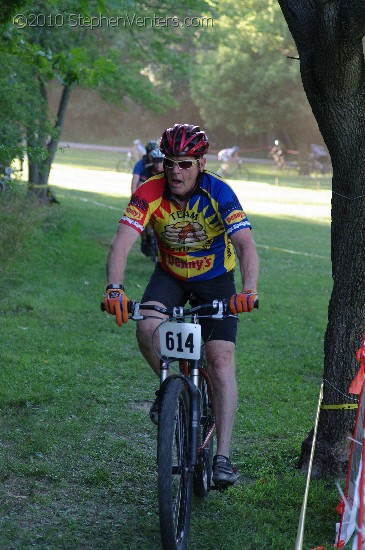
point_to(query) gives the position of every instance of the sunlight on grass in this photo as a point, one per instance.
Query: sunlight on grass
(116, 184)
(259, 198)
(274, 200)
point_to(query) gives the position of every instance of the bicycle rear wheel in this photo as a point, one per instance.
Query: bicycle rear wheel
(125, 164)
(174, 479)
(203, 469)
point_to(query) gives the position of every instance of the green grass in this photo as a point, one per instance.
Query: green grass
(78, 452)
(17, 204)
(94, 159)
(107, 160)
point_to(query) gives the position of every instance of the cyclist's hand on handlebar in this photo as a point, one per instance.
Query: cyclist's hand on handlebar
(243, 301)
(116, 303)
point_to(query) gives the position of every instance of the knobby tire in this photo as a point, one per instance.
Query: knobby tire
(174, 479)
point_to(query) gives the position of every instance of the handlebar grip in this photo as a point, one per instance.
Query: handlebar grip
(130, 306)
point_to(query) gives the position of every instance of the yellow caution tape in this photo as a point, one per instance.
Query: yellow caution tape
(344, 406)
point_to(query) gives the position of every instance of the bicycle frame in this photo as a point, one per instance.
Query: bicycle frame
(190, 379)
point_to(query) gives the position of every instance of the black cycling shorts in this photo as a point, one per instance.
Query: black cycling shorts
(171, 292)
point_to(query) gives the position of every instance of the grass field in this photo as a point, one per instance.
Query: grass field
(267, 173)
(77, 461)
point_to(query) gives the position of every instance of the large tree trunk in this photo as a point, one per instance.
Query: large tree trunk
(328, 35)
(39, 170)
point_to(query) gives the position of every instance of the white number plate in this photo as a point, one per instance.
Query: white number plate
(181, 340)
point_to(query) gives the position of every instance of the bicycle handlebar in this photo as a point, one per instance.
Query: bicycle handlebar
(217, 309)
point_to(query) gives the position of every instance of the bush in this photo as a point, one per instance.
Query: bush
(20, 215)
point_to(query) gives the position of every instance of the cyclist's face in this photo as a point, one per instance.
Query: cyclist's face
(157, 167)
(182, 181)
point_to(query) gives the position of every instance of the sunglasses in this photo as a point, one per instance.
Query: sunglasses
(181, 164)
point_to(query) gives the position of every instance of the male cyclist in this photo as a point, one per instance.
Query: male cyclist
(319, 158)
(138, 149)
(277, 153)
(228, 157)
(144, 168)
(148, 166)
(199, 224)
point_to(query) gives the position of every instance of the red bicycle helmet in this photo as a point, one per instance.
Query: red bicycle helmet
(184, 139)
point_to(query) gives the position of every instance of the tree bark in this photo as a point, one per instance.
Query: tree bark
(328, 35)
(53, 143)
(39, 171)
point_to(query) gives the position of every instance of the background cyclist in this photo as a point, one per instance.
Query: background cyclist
(138, 150)
(150, 165)
(319, 158)
(228, 157)
(199, 224)
(277, 153)
(142, 170)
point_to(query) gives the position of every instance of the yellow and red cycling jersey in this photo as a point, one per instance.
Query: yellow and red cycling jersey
(193, 244)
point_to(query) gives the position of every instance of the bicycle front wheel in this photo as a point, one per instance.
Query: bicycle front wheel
(174, 479)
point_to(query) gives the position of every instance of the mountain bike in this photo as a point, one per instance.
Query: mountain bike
(186, 422)
(126, 164)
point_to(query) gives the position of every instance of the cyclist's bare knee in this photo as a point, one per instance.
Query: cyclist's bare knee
(220, 357)
(147, 335)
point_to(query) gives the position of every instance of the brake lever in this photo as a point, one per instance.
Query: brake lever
(218, 304)
(134, 308)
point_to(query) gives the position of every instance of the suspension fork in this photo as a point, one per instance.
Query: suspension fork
(164, 367)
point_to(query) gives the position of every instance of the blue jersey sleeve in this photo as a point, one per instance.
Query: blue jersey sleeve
(138, 168)
(229, 207)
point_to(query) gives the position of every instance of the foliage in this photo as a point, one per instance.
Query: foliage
(235, 69)
(119, 55)
(8, 8)
(17, 204)
(251, 63)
